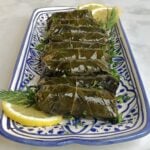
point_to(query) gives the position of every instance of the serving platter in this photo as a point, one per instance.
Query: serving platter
(134, 107)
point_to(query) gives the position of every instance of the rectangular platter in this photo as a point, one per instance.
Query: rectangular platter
(135, 110)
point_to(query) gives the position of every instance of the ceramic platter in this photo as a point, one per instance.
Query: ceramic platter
(135, 109)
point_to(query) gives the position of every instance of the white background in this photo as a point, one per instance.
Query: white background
(14, 17)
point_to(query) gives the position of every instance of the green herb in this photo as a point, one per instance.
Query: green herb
(120, 98)
(115, 74)
(114, 64)
(112, 18)
(19, 97)
(112, 53)
(126, 97)
(40, 47)
(119, 118)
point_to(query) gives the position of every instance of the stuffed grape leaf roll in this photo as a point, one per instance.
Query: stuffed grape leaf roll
(77, 78)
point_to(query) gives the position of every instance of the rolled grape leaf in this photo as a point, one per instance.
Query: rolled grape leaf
(89, 36)
(62, 28)
(74, 17)
(77, 67)
(74, 44)
(73, 14)
(77, 22)
(73, 54)
(77, 79)
(106, 81)
(67, 100)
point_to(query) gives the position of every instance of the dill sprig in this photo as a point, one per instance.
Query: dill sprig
(115, 74)
(112, 18)
(26, 97)
(118, 119)
(40, 47)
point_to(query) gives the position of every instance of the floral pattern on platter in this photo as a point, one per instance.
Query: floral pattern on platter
(83, 128)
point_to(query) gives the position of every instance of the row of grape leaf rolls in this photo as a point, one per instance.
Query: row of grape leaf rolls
(77, 77)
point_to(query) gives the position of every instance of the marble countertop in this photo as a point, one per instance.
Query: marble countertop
(14, 17)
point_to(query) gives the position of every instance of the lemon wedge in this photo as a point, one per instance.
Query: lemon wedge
(91, 6)
(101, 14)
(29, 116)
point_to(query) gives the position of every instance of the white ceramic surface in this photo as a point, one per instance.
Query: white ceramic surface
(14, 16)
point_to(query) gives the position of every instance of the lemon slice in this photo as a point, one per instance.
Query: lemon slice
(91, 6)
(101, 14)
(29, 116)
(104, 14)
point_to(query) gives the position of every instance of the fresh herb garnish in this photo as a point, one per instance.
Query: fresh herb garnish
(26, 97)
(120, 98)
(40, 47)
(118, 119)
(112, 18)
(115, 74)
